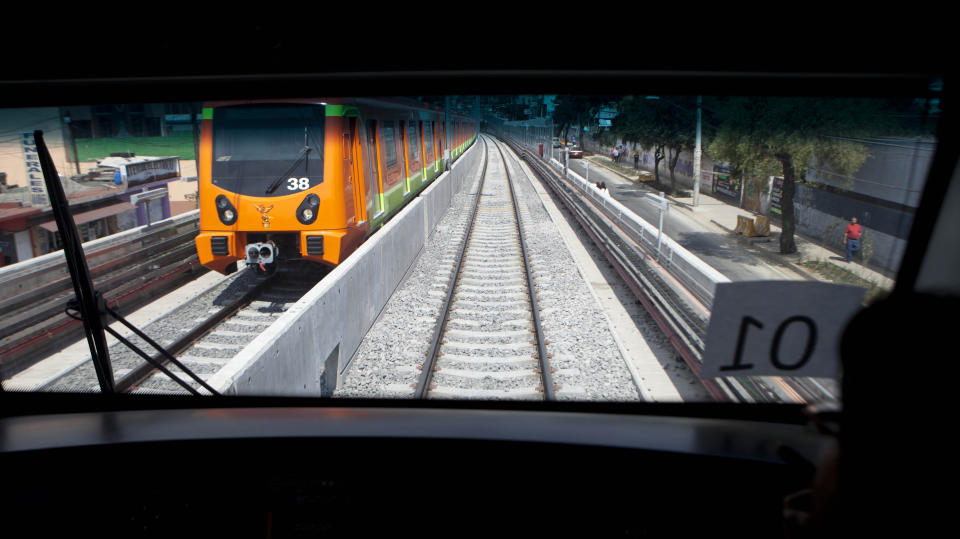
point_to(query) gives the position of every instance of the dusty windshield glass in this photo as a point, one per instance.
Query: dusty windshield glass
(564, 247)
(254, 145)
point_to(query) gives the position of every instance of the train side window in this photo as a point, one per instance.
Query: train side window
(375, 164)
(389, 145)
(413, 143)
(427, 142)
(405, 169)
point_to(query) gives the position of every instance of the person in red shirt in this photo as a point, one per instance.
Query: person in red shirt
(852, 237)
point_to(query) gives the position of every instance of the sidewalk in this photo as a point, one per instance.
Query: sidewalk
(811, 259)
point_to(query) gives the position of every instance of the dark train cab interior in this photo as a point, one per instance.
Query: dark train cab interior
(119, 465)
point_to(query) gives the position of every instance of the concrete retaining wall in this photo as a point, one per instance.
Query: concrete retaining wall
(824, 216)
(308, 348)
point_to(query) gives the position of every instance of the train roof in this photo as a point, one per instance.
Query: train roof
(392, 103)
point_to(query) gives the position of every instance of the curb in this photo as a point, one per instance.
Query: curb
(617, 172)
(721, 226)
(683, 205)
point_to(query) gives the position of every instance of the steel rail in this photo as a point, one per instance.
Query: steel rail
(636, 283)
(22, 352)
(111, 270)
(426, 376)
(752, 389)
(141, 373)
(42, 305)
(541, 341)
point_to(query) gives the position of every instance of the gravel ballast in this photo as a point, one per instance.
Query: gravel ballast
(584, 356)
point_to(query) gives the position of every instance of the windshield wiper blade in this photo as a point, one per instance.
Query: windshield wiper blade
(90, 306)
(88, 301)
(276, 183)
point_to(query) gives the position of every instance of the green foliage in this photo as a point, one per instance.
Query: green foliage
(668, 122)
(667, 125)
(605, 138)
(578, 111)
(179, 144)
(833, 273)
(756, 133)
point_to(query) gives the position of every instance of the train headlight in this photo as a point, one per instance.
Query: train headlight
(308, 209)
(225, 210)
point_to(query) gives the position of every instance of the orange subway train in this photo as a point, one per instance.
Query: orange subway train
(311, 179)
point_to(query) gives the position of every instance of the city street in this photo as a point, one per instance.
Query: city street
(737, 260)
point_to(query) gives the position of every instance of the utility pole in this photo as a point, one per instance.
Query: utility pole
(73, 141)
(697, 155)
(446, 132)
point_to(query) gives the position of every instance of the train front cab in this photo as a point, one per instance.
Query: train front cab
(318, 217)
(374, 162)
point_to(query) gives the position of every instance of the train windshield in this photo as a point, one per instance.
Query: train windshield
(257, 147)
(694, 249)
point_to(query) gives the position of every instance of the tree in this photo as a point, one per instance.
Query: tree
(788, 135)
(577, 110)
(667, 125)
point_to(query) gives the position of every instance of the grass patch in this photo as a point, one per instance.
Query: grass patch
(179, 145)
(835, 274)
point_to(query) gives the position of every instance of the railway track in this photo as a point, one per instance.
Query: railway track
(129, 274)
(488, 342)
(203, 335)
(685, 331)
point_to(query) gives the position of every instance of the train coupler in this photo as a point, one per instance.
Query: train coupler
(261, 254)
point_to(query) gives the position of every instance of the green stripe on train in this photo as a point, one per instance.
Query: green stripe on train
(341, 110)
(394, 199)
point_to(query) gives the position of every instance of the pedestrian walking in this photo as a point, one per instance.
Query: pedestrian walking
(616, 155)
(851, 236)
(636, 159)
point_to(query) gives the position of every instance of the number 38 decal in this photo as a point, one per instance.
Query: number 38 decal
(295, 184)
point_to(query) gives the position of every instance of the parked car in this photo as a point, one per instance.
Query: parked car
(556, 142)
